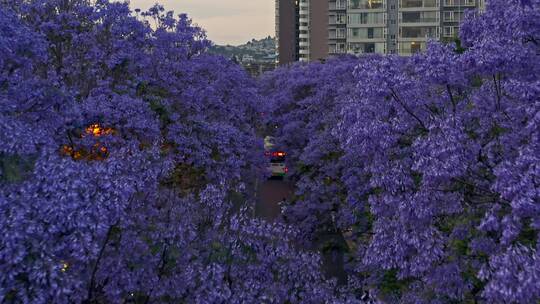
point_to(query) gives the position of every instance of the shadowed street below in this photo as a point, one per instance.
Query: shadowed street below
(270, 193)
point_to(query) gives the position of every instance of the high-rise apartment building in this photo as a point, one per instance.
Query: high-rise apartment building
(287, 30)
(302, 30)
(332, 27)
(313, 26)
(337, 27)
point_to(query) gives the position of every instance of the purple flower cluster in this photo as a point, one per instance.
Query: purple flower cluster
(126, 150)
(124, 146)
(429, 164)
(302, 112)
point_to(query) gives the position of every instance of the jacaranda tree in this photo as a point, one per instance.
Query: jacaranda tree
(123, 146)
(126, 150)
(304, 109)
(444, 149)
(438, 157)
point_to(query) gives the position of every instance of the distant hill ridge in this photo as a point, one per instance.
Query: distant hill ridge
(262, 50)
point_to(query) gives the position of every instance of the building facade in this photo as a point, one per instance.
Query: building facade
(337, 27)
(313, 35)
(287, 31)
(334, 27)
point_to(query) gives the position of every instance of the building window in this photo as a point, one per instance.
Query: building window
(366, 18)
(459, 3)
(447, 31)
(366, 4)
(417, 17)
(408, 48)
(419, 3)
(366, 47)
(448, 16)
(418, 32)
(366, 33)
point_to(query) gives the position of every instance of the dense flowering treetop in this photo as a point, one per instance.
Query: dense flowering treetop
(119, 132)
(444, 147)
(304, 103)
(437, 154)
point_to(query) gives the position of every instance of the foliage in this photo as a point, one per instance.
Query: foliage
(122, 141)
(434, 158)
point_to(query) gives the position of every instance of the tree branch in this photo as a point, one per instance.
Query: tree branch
(96, 264)
(449, 90)
(409, 111)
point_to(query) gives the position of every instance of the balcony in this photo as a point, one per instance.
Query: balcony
(419, 4)
(410, 48)
(338, 5)
(339, 19)
(372, 19)
(452, 16)
(418, 32)
(450, 31)
(459, 3)
(415, 18)
(367, 48)
(340, 33)
(421, 20)
(303, 43)
(333, 49)
(303, 19)
(333, 35)
(366, 34)
(366, 4)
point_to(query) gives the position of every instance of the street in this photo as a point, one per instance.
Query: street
(270, 193)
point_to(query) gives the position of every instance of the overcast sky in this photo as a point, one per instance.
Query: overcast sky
(225, 21)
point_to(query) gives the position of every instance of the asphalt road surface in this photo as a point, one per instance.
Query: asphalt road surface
(270, 193)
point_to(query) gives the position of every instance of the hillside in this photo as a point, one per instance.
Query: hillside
(262, 50)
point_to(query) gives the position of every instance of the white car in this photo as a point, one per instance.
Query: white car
(277, 165)
(278, 169)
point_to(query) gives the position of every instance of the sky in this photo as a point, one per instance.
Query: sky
(225, 21)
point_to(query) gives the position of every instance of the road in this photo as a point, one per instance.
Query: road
(271, 192)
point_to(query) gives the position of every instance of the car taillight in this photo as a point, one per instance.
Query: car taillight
(279, 154)
(286, 169)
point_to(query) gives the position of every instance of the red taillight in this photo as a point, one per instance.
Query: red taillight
(279, 154)
(286, 169)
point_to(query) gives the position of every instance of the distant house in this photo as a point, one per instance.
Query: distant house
(247, 59)
(256, 69)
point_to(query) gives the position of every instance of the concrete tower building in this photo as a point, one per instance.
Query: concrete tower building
(333, 27)
(313, 29)
(287, 30)
(452, 14)
(337, 27)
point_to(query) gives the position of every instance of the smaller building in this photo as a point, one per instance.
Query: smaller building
(255, 69)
